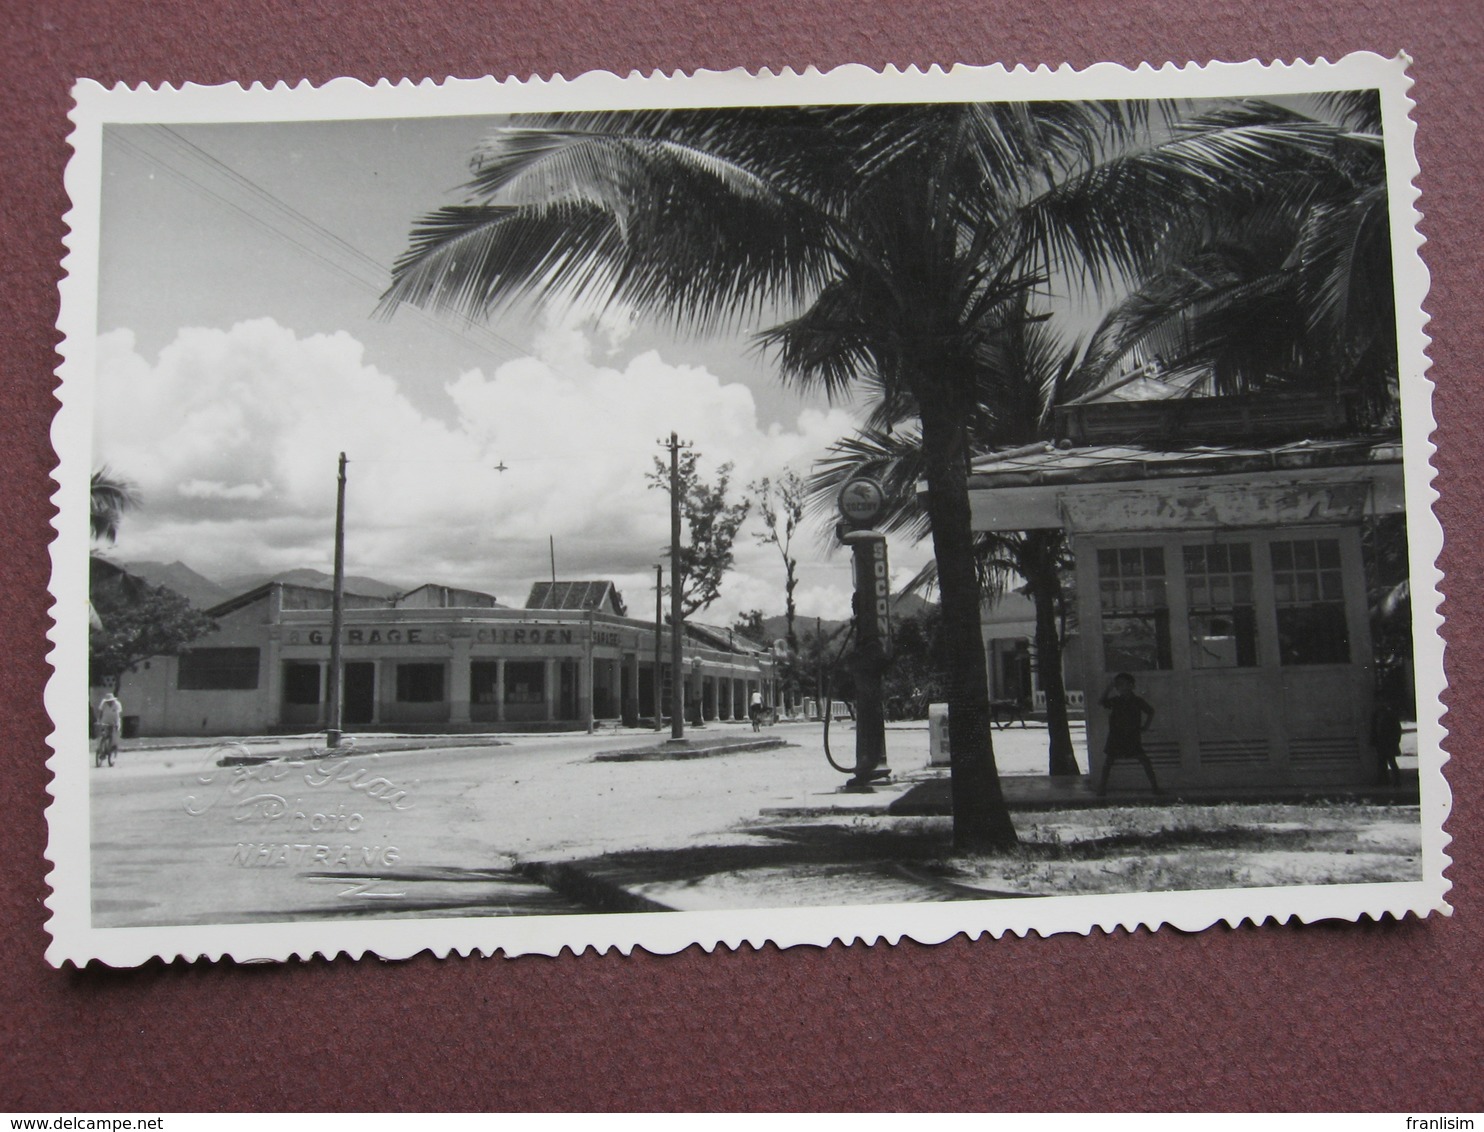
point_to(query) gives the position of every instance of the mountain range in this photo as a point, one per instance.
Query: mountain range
(204, 592)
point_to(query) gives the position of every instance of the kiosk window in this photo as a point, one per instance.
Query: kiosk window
(1223, 619)
(1309, 591)
(1136, 615)
(419, 683)
(217, 670)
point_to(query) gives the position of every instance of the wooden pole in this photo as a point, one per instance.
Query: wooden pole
(677, 583)
(659, 628)
(591, 676)
(337, 614)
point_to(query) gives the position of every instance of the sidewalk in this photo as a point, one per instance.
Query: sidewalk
(282, 746)
(894, 845)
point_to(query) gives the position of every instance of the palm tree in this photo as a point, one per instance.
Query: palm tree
(898, 233)
(1293, 294)
(111, 497)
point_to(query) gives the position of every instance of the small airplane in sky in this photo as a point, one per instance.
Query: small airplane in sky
(500, 467)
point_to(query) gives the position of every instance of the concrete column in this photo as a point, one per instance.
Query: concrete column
(553, 688)
(633, 707)
(500, 690)
(380, 675)
(273, 680)
(459, 681)
(587, 678)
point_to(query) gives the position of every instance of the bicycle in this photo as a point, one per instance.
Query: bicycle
(108, 745)
(764, 717)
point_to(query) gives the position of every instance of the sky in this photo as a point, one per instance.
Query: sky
(240, 352)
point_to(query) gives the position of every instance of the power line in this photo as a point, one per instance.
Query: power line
(288, 217)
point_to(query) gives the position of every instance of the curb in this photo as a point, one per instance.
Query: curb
(666, 754)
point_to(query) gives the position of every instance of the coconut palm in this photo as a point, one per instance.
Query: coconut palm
(1293, 294)
(111, 497)
(889, 239)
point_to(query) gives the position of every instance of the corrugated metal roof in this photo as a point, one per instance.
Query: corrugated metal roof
(569, 595)
(1111, 462)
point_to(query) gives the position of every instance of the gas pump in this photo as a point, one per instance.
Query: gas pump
(861, 503)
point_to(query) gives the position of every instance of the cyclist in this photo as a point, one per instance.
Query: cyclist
(110, 715)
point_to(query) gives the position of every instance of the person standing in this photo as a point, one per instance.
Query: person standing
(755, 711)
(1129, 716)
(1386, 736)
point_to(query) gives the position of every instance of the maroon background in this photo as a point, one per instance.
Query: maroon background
(1371, 1016)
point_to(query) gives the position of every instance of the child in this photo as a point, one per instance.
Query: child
(1129, 717)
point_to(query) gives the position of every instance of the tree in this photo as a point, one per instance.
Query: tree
(111, 497)
(750, 625)
(781, 505)
(139, 621)
(916, 676)
(712, 522)
(1293, 294)
(898, 232)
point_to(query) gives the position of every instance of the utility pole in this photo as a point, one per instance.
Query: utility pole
(659, 624)
(337, 614)
(677, 583)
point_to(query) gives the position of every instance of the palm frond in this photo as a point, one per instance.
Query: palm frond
(111, 496)
(894, 459)
(1108, 221)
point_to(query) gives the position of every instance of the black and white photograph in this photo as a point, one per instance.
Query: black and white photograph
(642, 512)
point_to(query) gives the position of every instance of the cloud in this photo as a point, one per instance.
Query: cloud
(211, 489)
(232, 437)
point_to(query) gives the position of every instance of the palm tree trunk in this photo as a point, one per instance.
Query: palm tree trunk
(1038, 566)
(981, 821)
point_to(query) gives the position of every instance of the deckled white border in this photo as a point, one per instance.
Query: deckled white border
(75, 939)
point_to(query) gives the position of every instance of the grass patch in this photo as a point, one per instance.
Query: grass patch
(1175, 848)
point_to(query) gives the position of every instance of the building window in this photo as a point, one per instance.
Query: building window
(1223, 619)
(525, 682)
(419, 683)
(217, 670)
(483, 682)
(301, 684)
(1136, 615)
(1309, 592)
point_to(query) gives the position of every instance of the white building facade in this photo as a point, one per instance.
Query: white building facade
(437, 659)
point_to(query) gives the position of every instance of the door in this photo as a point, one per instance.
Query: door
(360, 691)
